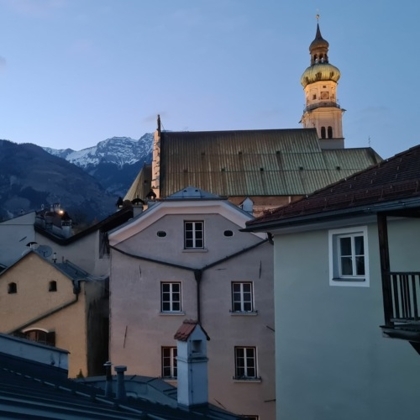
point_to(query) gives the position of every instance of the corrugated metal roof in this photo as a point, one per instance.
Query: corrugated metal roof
(396, 178)
(252, 163)
(259, 162)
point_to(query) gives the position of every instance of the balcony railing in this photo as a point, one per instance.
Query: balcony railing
(405, 292)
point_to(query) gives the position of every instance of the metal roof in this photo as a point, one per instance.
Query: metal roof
(397, 178)
(286, 162)
(255, 163)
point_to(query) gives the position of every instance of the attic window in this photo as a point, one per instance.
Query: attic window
(52, 286)
(338, 168)
(300, 168)
(261, 169)
(228, 233)
(223, 169)
(11, 288)
(161, 233)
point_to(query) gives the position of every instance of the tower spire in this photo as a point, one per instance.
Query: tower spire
(320, 82)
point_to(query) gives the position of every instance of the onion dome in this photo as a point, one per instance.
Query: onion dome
(320, 69)
(318, 42)
(320, 72)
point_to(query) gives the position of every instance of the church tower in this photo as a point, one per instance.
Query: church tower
(319, 82)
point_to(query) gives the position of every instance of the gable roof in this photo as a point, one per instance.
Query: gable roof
(68, 269)
(388, 182)
(187, 328)
(243, 163)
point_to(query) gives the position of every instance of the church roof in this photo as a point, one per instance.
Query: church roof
(246, 163)
(395, 180)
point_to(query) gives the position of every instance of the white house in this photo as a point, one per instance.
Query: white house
(184, 258)
(346, 278)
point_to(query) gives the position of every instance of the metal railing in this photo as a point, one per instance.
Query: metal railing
(405, 292)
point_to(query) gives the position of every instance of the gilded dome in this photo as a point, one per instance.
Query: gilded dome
(320, 72)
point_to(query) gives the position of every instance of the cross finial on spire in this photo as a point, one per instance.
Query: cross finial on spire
(317, 18)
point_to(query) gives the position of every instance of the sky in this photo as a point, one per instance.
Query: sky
(75, 72)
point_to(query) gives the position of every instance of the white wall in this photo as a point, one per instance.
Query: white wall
(332, 361)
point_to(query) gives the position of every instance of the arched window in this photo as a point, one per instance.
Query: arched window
(323, 136)
(330, 133)
(11, 288)
(52, 287)
(40, 336)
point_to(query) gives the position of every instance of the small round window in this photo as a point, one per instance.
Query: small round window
(161, 234)
(228, 233)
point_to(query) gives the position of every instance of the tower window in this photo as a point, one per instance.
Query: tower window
(330, 132)
(314, 96)
(323, 136)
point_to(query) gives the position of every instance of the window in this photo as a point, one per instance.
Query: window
(11, 288)
(194, 233)
(41, 336)
(348, 258)
(228, 233)
(245, 363)
(171, 297)
(323, 133)
(242, 297)
(161, 234)
(169, 362)
(330, 132)
(52, 286)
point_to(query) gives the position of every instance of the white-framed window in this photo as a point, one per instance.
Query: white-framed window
(349, 265)
(170, 297)
(169, 362)
(245, 363)
(242, 297)
(193, 234)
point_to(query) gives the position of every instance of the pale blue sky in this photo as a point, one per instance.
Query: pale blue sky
(74, 72)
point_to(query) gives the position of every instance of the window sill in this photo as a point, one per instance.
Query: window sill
(251, 313)
(172, 381)
(194, 250)
(247, 380)
(356, 279)
(172, 313)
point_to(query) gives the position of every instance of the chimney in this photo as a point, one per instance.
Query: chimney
(108, 385)
(192, 364)
(121, 396)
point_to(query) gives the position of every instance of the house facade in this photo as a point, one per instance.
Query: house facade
(184, 258)
(57, 304)
(346, 279)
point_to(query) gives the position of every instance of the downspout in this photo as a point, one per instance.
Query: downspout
(76, 291)
(198, 275)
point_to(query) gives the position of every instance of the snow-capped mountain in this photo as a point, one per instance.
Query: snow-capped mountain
(117, 150)
(114, 162)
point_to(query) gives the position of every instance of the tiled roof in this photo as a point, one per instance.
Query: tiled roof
(393, 179)
(186, 329)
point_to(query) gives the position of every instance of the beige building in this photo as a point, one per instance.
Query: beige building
(184, 258)
(57, 304)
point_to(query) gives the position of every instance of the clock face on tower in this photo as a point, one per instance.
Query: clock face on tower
(325, 95)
